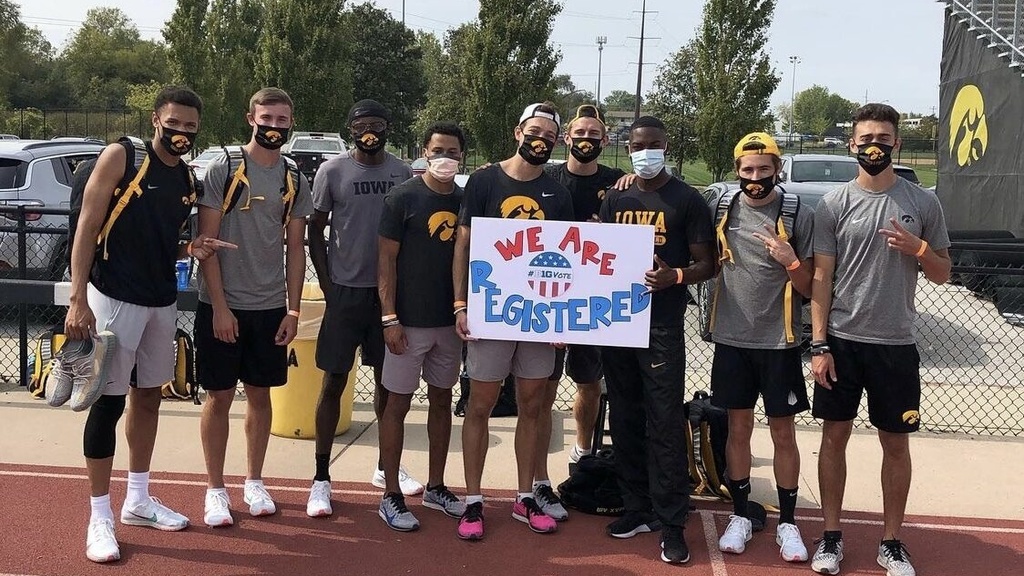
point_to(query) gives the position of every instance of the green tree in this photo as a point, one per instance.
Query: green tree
(562, 91)
(105, 55)
(446, 77)
(620, 100)
(734, 78)
(140, 97)
(387, 66)
(186, 33)
(815, 110)
(510, 65)
(672, 100)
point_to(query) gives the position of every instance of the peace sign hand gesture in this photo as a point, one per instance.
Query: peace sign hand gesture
(899, 238)
(780, 250)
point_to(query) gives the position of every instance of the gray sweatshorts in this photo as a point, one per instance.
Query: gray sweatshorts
(433, 352)
(493, 360)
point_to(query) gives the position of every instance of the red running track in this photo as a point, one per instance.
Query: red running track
(43, 513)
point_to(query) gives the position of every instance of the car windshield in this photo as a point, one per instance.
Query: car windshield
(823, 171)
(316, 145)
(208, 155)
(907, 174)
(12, 173)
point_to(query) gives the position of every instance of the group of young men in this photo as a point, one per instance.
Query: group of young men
(393, 271)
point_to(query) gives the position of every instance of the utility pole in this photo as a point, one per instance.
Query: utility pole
(601, 41)
(403, 12)
(794, 60)
(640, 62)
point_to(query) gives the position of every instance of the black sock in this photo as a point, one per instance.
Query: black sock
(787, 505)
(323, 465)
(740, 492)
(833, 534)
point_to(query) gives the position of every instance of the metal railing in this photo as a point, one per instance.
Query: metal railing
(989, 19)
(970, 332)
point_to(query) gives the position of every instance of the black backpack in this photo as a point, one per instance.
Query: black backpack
(137, 159)
(593, 486)
(237, 181)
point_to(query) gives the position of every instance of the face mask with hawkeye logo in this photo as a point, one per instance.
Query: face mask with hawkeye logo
(874, 158)
(586, 150)
(757, 189)
(371, 142)
(271, 138)
(175, 141)
(536, 150)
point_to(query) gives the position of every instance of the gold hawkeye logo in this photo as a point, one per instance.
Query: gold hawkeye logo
(968, 128)
(273, 135)
(911, 417)
(522, 208)
(442, 226)
(874, 153)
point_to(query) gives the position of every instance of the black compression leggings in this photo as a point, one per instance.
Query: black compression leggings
(100, 436)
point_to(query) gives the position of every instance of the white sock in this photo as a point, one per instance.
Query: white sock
(524, 495)
(249, 482)
(138, 488)
(100, 506)
(537, 483)
(473, 499)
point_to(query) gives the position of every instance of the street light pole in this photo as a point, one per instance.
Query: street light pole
(792, 98)
(601, 41)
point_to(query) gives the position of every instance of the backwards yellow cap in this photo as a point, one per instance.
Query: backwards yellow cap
(756, 143)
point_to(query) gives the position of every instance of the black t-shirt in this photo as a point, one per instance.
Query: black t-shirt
(681, 217)
(424, 223)
(135, 263)
(587, 191)
(490, 193)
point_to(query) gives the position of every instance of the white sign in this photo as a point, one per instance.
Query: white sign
(570, 282)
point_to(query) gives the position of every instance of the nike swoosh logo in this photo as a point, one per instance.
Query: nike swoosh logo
(857, 221)
(658, 365)
(151, 187)
(150, 518)
(745, 486)
(734, 227)
(546, 195)
(792, 495)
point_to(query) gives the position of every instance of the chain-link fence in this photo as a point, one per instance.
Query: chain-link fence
(970, 332)
(104, 125)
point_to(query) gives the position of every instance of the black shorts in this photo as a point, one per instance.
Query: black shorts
(254, 358)
(351, 320)
(581, 362)
(739, 375)
(889, 373)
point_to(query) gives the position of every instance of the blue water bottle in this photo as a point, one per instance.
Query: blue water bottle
(182, 268)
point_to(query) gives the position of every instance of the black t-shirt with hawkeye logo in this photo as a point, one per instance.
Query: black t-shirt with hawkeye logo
(424, 223)
(490, 193)
(135, 263)
(680, 217)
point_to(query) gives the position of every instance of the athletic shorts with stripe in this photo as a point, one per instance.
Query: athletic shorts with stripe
(739, 375)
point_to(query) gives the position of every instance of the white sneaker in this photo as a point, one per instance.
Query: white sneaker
(408, 484)
(893, 556)
(259, 500)
(828, 556)
(737, 534)
(576, 453)
(791, 544)
(217, 509)
(153, 514)
(100, 543)
(319, 503)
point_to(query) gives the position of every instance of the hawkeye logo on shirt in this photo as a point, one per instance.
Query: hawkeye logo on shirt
(442, 226)
(378, 187)
(521, 208)
(654, 218)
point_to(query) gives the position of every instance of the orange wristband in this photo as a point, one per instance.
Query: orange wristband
(679, 275)
(459, 303)
(188, 248)
(923, 249)
(294, 313)
(794, 265)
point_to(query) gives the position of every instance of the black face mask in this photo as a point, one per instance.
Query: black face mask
(874, 158)
(586, 150)
(371, 142)
(536, 150)
(271, 138)
(177, 142)
(757, 189)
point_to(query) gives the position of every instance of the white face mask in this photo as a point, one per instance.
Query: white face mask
(443, 168)
(648, 163)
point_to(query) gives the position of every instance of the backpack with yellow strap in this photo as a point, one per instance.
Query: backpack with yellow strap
(237, 182)
(785, 222)
(44, 352)
(183, 386)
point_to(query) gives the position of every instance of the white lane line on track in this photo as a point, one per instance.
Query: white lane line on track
(707, 518)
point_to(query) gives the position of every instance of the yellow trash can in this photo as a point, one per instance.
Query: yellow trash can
(294, 404)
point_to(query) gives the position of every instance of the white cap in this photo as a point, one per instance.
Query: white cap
(532, 112)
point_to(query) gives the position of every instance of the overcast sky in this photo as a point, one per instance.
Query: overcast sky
(887, 49)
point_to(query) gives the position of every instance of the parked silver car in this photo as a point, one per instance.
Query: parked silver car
(39, 173)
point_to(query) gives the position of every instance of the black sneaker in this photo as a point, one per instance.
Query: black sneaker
(632, 523)
(673, 546)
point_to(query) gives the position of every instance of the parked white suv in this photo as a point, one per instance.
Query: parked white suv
(39, 173)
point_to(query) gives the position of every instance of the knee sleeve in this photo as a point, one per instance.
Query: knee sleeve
(100, 435)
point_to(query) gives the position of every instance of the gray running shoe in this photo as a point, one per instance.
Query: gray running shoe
(441, 498)
(395, 514)
(60, 381)
(90, 366)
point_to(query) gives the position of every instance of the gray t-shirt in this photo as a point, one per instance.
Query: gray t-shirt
(750, 312)
(873, 288)
(253, 275)
(354, 195)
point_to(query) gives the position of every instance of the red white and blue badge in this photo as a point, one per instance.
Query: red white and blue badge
(550, 274)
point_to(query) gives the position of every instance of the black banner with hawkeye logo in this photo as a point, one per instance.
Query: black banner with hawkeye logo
(981, 132)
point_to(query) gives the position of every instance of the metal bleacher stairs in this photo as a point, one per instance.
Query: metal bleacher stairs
(1000, 22)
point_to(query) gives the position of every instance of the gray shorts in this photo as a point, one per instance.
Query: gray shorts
(493, 360)
(433, 352)
(145, 337)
